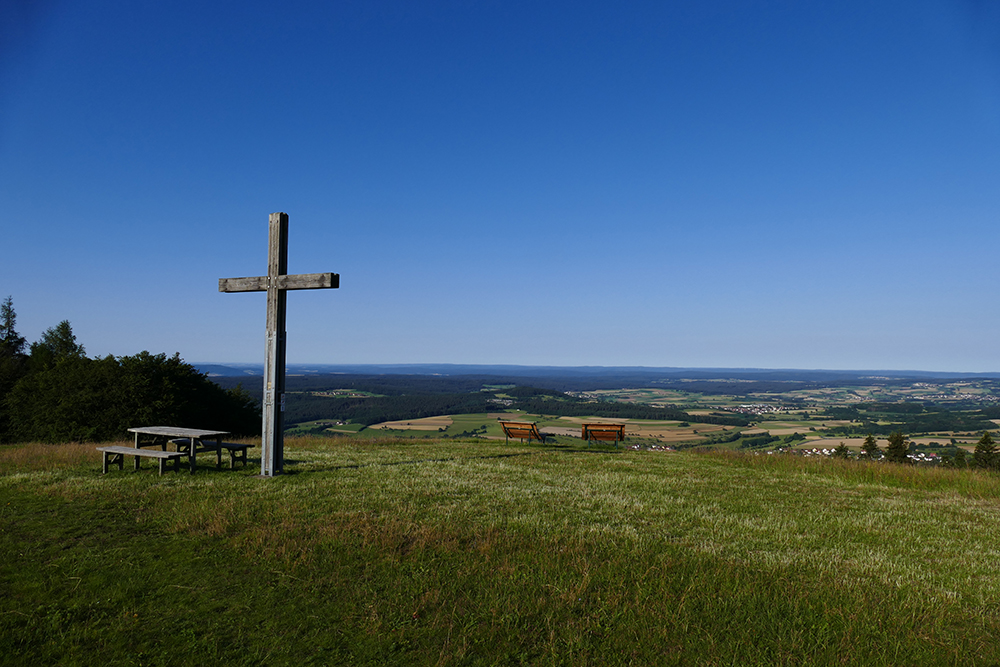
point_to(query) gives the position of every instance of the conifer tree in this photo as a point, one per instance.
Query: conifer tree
(897, 449)
(13, 362)
(11, 344)
(869, 449)
(960, 460)
(985, 455)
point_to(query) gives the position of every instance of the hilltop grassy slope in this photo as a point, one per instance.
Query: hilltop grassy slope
(457, 553)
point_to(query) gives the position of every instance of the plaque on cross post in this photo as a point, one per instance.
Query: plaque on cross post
(276, 283)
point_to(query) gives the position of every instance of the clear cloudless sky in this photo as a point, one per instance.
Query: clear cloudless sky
(787, 184)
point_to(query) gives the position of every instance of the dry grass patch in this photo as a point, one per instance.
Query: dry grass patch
(785, 428)
(36, 456)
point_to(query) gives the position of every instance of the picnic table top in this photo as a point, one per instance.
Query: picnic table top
(177, 432)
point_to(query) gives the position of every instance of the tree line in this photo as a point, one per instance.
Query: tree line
(898, 447)
(305, 407)
(51, 391)
(914, 422)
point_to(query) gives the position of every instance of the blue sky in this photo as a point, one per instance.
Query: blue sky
(715, 184)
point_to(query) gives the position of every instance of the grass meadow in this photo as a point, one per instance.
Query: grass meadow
(448, 552)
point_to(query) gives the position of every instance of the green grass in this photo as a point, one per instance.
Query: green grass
(476, 552)
(482, 424)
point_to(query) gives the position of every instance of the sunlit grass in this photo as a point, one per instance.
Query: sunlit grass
(36, 456)
(443, 552)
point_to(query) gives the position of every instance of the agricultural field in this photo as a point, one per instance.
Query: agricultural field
(466, 551)
(566, 430)
(765, 414)
(640, 434)
(810, 400)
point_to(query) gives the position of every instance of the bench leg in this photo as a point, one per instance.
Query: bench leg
(112, 458)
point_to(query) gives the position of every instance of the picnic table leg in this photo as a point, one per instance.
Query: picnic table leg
(218, 453)
(193, 447)
(137, 447)
(105, 462)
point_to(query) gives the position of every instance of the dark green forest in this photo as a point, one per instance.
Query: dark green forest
(305, 406)
(51, 391)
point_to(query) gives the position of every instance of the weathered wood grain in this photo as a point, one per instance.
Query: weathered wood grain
(276, 283)
(293, 282)
(117, 453)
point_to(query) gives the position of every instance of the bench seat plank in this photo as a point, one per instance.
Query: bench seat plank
(117, 453)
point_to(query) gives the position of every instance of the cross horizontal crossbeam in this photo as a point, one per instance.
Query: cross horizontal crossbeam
(297, 281)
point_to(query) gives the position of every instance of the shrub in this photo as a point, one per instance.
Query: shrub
(82, 399)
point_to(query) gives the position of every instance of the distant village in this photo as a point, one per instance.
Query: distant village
(758, 409)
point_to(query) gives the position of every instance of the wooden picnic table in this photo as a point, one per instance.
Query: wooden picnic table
(198, 440)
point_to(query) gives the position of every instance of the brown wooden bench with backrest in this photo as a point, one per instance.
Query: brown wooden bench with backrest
(521, 430)
(117, 453)
(606, 432)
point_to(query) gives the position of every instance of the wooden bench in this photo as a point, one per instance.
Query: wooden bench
(607, 432)
(117, 454)
(521, 430)
(237, 451)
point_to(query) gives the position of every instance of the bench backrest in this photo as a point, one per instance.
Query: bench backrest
(614, 432)
(521, 430)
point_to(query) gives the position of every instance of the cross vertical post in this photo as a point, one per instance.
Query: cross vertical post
(272, 455)
(276, 283)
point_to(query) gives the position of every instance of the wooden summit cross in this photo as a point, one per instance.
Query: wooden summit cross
(276, 283)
